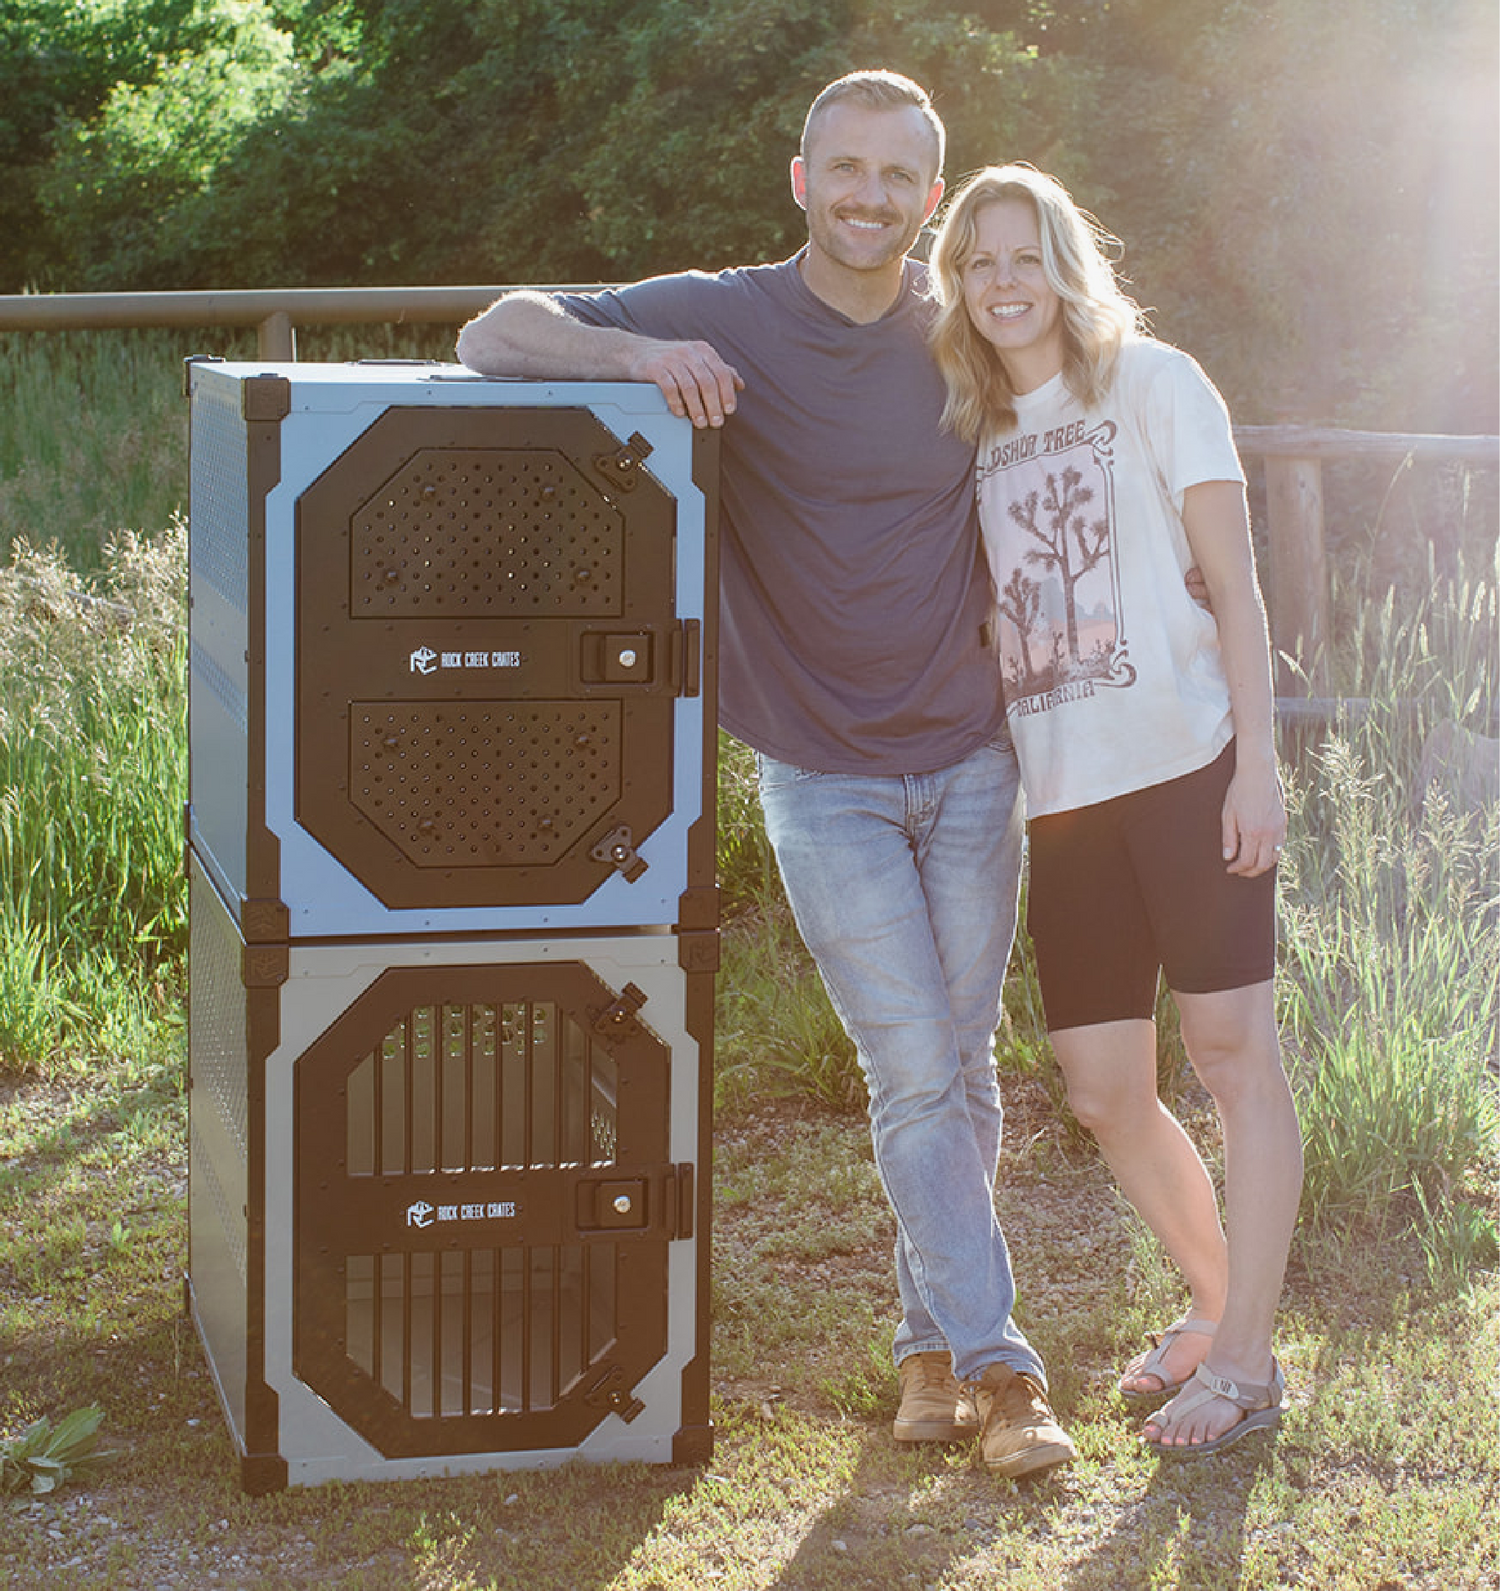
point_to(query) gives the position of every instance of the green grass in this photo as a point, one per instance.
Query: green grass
(93, 432)
(1389, 985)
(1390, 1004)
(777, 1030)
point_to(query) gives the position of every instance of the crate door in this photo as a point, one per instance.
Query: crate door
(483, 1206)
(487, 656)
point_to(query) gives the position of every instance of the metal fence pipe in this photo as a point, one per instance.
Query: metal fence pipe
(304, 306)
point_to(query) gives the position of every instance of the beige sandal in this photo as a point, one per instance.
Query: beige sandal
(1263, 1408)
(1154, 1362)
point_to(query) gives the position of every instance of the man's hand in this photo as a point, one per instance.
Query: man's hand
(694, 380)
(528, 334)
(1197, 587)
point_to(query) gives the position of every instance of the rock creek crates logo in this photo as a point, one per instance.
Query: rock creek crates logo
(422, 1214)
(427, 661)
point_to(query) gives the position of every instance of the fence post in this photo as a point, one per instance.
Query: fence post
(1298, 568)
(276, 338)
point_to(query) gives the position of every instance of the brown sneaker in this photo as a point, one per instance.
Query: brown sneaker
(934, 1407)
(1020, 1433)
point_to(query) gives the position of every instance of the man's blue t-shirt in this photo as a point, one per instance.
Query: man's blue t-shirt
(853, 592)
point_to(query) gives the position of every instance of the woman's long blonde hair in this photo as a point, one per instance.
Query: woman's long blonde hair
(1096, 318)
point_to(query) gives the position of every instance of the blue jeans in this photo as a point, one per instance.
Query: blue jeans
(904, 889)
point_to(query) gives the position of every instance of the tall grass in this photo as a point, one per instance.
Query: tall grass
(93, 424)
(1390, 955)
(92, 783)
(776, 1027)
(93, 438)
(748, 878)
(1390, 927)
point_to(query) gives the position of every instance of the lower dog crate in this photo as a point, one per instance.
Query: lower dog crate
(448, 1200)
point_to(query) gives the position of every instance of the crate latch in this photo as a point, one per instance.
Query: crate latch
(658, 1203)
(622, 657)
(615, 1204)
(622, 466)
(617, 1020)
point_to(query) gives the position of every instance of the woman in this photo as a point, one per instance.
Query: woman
(1106, 468)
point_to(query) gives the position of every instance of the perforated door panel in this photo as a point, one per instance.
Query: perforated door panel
(487, 656)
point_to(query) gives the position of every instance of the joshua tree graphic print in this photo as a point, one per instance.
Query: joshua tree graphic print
(1057, 589)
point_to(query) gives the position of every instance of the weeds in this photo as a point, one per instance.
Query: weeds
(1391, 952)
(42, 1457)
(748, 879)
(1390, 926)
(93, 434)
(93, 424)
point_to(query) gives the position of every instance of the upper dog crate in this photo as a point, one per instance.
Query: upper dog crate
(452, 649)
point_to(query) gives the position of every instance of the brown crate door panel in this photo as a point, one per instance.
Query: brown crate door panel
(487, 657)
(482, 1207)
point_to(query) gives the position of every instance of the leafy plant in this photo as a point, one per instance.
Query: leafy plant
(44, 1457)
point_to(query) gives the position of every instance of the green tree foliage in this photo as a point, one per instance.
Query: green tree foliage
(1308, 189)
(115, 178)
(510, 140)
(675, 130)
(58, 63)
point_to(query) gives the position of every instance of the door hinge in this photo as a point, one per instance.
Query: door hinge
(680, 1184)
(618, 849)
(686, 666)
(612, 1393)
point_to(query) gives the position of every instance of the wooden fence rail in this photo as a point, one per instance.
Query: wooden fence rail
(1297, 566)
(1298, 586)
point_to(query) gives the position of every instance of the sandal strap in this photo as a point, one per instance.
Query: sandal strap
(1252, 1397)
(1190, 1325)
(1153, 1361)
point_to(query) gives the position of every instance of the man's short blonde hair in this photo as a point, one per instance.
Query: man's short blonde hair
(878, 89)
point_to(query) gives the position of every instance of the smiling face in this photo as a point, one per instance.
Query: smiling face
(1008, 297)
(868, 180)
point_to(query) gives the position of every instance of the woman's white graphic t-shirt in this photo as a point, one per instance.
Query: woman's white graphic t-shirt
(1112, 674)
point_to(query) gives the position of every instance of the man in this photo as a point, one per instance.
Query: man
(853, 660)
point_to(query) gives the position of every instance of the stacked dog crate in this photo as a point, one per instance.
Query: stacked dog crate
(453, 918)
